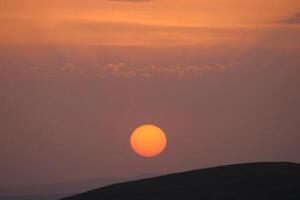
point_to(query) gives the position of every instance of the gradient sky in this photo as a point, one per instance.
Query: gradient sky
(221, 77)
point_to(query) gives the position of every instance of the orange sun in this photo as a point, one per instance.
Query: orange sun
(148, 140)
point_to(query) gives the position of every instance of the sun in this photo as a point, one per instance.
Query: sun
(148, 140)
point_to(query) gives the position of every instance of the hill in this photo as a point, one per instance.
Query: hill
(259, 181)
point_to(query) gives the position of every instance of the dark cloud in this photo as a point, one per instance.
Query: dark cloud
(295, 19)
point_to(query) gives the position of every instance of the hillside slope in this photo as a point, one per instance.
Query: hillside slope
(259, 181)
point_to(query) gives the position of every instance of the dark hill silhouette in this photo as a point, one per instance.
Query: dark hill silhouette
(252, 181)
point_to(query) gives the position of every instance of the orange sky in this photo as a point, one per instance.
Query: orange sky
(146, 23)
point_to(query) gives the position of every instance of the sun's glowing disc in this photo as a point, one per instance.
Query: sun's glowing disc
(148, 140)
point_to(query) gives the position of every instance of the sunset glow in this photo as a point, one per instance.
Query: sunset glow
(108, 89)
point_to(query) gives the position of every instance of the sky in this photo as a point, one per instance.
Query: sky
(220, 77)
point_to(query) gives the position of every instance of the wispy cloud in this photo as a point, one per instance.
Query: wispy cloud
(131, 1)
(295, 19)
(105, 32)
(122, 70)
(128, 71)
(69, 67)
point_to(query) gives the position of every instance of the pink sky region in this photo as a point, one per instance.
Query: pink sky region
(220, 77)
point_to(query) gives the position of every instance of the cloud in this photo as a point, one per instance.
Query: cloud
(70, 67)
(121, 33)
(122, 70)
(119, 70)
(295, 19)
(128, 71)
(131, 1)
